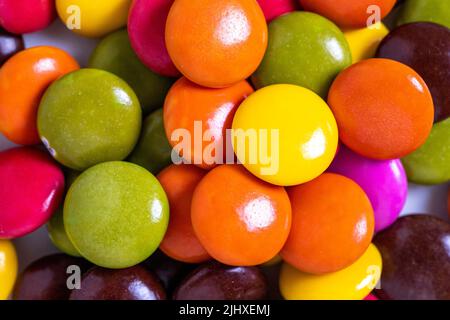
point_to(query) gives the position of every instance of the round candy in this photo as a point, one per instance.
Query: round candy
(10, 44)
(285, 134)
(114, 54)
(383, 108)
(180, 241)
(371, 297)
(239, 219)
(416, 259)
(33, 185)
(48, 278)
(384, 182)
(196, 119)
(425, 47)
(430, 163)
(58, 234)
(352, 283)
(23, 80)
(135, 283)
(436, 11)
(215, 281)
(152, 151)
(350, 13)
(87, 117)
(93, 18)
(8, 268)
(332, 224)
(363, 42)
(304, 49)
(225, 45)
(275, 8)
(116, 214)
(146, 26)
(26, 16)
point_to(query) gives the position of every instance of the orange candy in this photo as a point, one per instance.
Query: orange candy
(239, 219)
(216, 43)
(383, 108)
(332, 224)
(205, 114)
(180, 241)
(23, 80)
(350, 13)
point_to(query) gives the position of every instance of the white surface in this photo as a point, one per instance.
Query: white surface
(421, 199)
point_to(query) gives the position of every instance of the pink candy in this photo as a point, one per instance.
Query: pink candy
(275, 8)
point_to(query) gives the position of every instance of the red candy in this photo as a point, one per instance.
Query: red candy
(275, 8)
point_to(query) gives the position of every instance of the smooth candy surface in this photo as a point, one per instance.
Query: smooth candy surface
(296, 129)
(215, 281)
(424, 47)
(116, 214)
(383, 108)
(224, 46)
(275, 8)
(146, 26)
(416, 259)
(87, 117)
(114, 54)
(33, 185)
(234, 215)
(8, 268)
(304, 49)
(10, 44)
(384, 182)
(352, 283)
(58, 234)
(436, 11)
(23, 80)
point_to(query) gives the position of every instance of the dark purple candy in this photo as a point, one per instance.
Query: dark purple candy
(425, 47)
(10, 44)
(215, 281)
(416, 259)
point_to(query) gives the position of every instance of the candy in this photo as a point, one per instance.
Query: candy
(304, 49)
(31, 188)
(215, 281)
(275, 8)
(430, 163)
(416, 259)
(25, 16)
(235, 215)
(8, 268)
(116, 214)
(23, 80)
(152, 151)
(332, 224)
(383, 108)
(180, 241)
(436, 11)
(58, 234)
(195, 115)
(384, 182)
(352, 283)
(114, 54)
(285, 134)
(350, 13)
(224, 46)
(93, 18)
(10, 44)
(135, 283)
(146, 26)
(371, 297)
(424, 47)
(87, 117)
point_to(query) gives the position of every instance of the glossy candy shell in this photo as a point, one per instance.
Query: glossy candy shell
(8, 268)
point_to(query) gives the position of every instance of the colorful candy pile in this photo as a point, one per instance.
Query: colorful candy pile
(212, 140)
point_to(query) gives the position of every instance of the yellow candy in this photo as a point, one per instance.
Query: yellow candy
(352, 283)
(285, 134)
(92, 18)
(274, 261)
(8, 268)
(364, 42)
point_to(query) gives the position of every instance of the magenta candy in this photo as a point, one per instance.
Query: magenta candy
(25, 16)
(275, 8)
(384, 182)
(31, 188)
(146, 29)
(370, 297)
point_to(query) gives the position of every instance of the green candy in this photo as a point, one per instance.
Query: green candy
(304, 49)
(88, 117)
(114, 54)
(116, 214)
(430, 164)
(58, 235)
(153, 150)
(437, 11)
